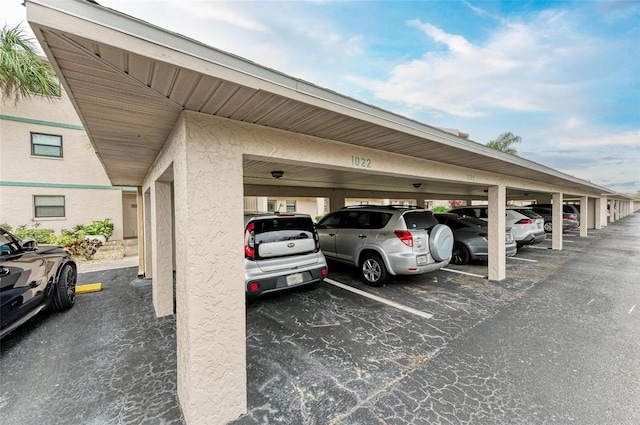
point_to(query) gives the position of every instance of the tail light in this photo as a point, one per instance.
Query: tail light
(405, 237)
(484, 235)
(249, 242)
(253, 287)
(569, 217)
(526, 221)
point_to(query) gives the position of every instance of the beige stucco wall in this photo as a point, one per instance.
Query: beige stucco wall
(82, 206)
(78, 175)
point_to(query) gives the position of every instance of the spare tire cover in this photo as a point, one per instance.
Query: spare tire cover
(441, 242)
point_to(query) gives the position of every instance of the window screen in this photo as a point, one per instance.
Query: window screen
(46, 145)
(48, 206)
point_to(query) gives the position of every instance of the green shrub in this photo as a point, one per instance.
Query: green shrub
(62, 239)
(40, 235)
(104, 228)
(318, 218)
(440, 209)
(6, 227)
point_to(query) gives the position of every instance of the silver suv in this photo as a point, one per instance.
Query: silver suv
(386, 240)
(281, 251)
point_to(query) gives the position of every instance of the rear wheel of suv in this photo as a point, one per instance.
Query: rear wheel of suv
(372, 270)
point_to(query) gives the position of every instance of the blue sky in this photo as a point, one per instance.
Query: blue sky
(562, 75)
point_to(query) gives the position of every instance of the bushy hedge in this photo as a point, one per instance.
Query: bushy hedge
(74, 240)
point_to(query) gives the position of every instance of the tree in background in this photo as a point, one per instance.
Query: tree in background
(23, 73)
(504, 143)
(455, 203)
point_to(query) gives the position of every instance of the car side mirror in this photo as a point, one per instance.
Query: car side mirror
(29, 245)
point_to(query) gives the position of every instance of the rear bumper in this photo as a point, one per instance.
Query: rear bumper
(279, 282)
(533, 238)
(407, 265)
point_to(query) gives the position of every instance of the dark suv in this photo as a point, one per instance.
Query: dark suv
(386, 240)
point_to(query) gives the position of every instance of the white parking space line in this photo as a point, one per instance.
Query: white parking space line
(592, 300)
(568, 241)
(522, 259)
(632, 308)
(379, 299)
(464, 273)
(538, 247)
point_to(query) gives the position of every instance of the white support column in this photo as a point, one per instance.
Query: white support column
(584, 216)
(141, 231)
(210, 302)
(162, 248)
(556, 234)
(604, 203)
(597, 214)
(497, 225)
(148, 264)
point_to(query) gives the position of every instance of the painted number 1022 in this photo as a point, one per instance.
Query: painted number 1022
(362, 162)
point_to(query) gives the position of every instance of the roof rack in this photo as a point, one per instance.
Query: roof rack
(384, 207)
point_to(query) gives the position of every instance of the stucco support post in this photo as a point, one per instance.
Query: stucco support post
(556, 234)
(597, 214)
(336, 199)
(604, 203)
(497, 232)
(210, 322)
(613, 211)
(584, 216)
(162, 248)
(141, 232)
(148, 264)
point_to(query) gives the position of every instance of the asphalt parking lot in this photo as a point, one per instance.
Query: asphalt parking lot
(556, 342)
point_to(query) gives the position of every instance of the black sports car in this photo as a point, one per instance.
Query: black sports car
(33, 278)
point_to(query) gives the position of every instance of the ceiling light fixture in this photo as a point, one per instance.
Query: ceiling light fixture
(277, 174)
(417, 185)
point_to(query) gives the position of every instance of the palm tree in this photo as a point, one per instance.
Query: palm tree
(23, 73)
(504, 141)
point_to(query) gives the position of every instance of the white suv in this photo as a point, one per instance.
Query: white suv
(281, 251)
(386, 240)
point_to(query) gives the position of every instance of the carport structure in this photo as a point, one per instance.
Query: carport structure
(196, 129)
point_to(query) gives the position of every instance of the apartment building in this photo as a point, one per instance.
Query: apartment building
(50, 175)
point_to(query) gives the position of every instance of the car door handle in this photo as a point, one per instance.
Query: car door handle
(33, 284)
(332, 234)
(362, 236)
(4, 271)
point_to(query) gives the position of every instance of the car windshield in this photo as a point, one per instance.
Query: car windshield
(9, 244)
(419, 220)
(282, 229)
(528, 213)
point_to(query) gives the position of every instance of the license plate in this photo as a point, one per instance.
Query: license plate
(295, 278)
(421, 260)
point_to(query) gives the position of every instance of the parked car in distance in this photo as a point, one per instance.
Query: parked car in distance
(386, 240)
(525, 230)
(281, 251)
(566, 209)
(470, 238)
(32, 278)
(569, 221)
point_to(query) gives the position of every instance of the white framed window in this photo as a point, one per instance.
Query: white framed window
(48, 206)
(46, 145)
(291, 206)
(271, 205)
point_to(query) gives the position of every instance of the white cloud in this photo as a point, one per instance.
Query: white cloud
(523, 67)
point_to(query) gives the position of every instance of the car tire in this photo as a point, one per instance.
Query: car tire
(64, 293)
(440, 242)
(460, 254)
(548, 226)
(373, 270)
